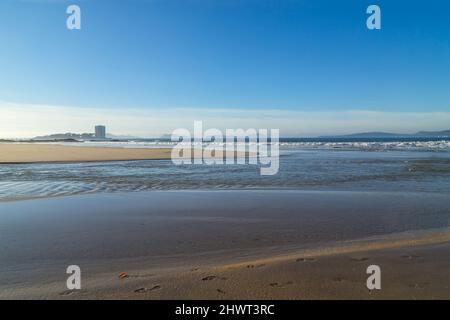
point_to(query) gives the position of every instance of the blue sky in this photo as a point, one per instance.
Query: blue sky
(259, 57)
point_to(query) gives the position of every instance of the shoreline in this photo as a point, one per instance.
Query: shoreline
(221, 191)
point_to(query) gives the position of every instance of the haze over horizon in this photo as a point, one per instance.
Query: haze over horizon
(28, 121)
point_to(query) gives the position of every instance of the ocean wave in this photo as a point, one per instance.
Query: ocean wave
(441, 145)
(391, 145)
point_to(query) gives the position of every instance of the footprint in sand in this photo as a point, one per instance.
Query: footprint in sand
(143, 290)
(251, 266)
(209, 278)
(280, 285)
(360, 259)
(124, 275)
(305, 260)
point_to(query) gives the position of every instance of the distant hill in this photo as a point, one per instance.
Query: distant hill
(79, 136)
(65, 136)
(373, 135)
(166, 137)
(445, 133)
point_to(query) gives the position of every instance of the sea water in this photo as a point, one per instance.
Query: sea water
(305, 164)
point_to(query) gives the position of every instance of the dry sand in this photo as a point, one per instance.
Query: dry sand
(34, 153)
(17, 153)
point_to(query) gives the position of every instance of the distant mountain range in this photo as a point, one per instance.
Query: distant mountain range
(66, 136)
(445, 133)
(90, 136)
(69, 136)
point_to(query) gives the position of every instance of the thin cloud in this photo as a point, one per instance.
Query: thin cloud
(29, 120)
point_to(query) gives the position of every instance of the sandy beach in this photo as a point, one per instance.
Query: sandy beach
(216, 245)
(411, 269)
(46, 153)
(22, 153)
(340, 275)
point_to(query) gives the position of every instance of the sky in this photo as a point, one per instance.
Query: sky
(147, 67)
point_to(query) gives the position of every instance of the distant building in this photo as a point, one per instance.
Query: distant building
(100, 132)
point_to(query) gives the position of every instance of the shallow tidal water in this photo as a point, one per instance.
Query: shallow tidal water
(300, 169)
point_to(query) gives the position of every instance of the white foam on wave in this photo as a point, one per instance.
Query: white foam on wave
(392, 145)
(375, 145)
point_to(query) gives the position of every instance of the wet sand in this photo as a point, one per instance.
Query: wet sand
(227, 245)
(411, 268)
